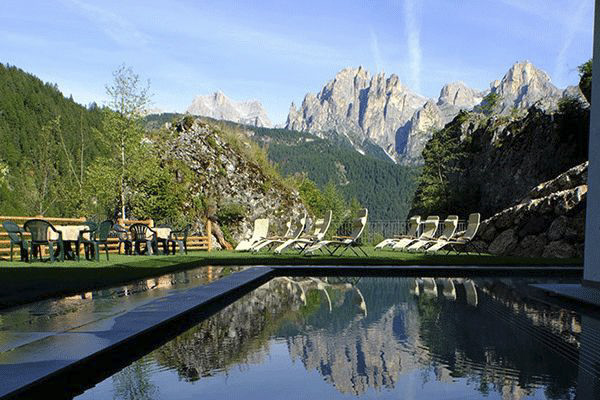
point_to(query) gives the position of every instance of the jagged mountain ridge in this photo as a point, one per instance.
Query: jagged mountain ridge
(388, 113)
(359, 107)
(219, 106)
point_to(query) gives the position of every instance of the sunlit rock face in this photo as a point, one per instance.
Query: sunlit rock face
(359, 108)
(523, 86)
(219, 106)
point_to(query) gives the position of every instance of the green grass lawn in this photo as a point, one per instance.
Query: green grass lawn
(22, 282)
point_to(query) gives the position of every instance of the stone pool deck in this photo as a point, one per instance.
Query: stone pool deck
(574, 292)
(28, 359)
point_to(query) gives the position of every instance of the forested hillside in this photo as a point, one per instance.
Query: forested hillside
(47, 140)
(385, 188)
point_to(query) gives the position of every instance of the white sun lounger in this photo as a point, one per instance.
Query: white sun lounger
(261, 229)
(290, 234)
(321, 226)
(411, 233)
(461, 239)
(429, 228)
(344, 243)
(450, 224)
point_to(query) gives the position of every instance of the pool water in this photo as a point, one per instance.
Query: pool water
(367, 338)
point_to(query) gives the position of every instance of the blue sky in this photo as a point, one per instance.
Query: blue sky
(277, 51)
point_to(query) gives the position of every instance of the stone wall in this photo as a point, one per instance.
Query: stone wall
(548, 222)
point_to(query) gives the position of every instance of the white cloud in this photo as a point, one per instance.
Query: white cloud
(116, 27)
(412, 29)
(376, 52)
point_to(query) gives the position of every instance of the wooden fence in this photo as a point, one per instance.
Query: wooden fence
(193, 242)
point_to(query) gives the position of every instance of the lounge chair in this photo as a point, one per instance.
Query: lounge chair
(429, 228)
(450, 224)
(462, 239)
(344, 243)
(411, 233)
(290, 234)
(261, 230)
(321, 226)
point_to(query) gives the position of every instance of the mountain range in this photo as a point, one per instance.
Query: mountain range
(219, 106)
(383, 111)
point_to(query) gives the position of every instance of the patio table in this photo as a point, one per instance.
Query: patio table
(162, 233)
(70, 237)
(162, 236)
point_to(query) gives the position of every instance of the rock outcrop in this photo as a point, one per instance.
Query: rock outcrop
(224, 175)
(548, 222)
(219, 106)
(498, 159)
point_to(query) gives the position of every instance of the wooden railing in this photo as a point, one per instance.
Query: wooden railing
(193, 242)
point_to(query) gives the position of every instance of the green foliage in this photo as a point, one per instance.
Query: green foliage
(188, 121)
(574, 120)
(585, 80)
(441, 156)
(489, 103)
(334, 201)
(385, 188)
(45, 138)
(122, 128)
(231, 213)
(311, 196)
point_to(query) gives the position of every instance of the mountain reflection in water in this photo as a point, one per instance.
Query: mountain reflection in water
(363, 336)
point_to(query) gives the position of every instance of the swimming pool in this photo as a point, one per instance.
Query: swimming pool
(392, 337)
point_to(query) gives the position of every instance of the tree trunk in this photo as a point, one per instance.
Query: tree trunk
(123, 179)
(218, 233)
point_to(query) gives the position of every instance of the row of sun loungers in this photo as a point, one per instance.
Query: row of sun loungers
(295, 238)
(450, 239)
(421, 235)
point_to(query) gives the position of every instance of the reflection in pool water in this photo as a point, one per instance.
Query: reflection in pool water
(374, 338)
(74, 311)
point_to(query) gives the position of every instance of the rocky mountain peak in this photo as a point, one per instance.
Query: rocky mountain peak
(360, 107)
(357, 107)
(219, 106)
(460, 95)
(524, 85)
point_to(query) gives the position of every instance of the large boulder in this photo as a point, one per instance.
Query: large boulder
(504, 242)
(224, 175)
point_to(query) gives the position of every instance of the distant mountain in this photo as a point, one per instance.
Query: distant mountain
(385, 112)
(219, 106)
(358, 107)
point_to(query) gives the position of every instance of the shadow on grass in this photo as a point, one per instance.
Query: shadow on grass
(23, 283)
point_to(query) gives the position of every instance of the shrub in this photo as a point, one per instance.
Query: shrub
(231, 214)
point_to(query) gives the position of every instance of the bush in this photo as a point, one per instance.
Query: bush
(188, 122)
(231, 214)
(585, 80)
